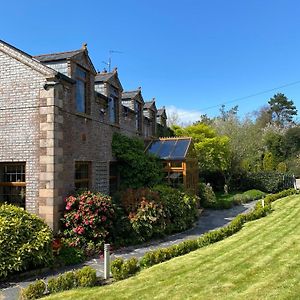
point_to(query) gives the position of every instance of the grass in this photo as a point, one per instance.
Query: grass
(262, 261)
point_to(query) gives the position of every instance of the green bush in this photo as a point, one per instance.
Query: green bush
(149, 220)
(61, 283)
(254, 194)
(180, 208)
(25, 241)
(70, 255)
(122, 269)
(85, 277)
(35, 290)
(207, 196)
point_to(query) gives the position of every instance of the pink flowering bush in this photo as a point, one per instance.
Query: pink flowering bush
(148, 220)
(88, 218)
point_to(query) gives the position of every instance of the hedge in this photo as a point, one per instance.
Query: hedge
(84, 277)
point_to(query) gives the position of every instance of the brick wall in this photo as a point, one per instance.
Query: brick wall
(20, 88)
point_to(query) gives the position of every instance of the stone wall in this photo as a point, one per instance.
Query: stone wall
(20, 88)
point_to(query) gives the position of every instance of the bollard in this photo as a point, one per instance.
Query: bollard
(106, 261)
(262, 202)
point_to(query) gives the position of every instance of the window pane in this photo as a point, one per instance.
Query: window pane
(112, 109)
(80, 73)
(82, 175)
(180, 148)
(166, 149)
(12, 183)
(154, 147)
(80, 96)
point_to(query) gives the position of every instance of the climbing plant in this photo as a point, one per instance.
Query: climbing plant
(136, 167)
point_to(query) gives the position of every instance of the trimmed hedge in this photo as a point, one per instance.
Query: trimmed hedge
(85, 277)
(267, 181)
(25, 241)
(160, 255)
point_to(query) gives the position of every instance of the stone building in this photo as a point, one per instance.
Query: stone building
(57, 119)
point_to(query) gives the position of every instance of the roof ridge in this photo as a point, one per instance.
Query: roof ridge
(63, 52)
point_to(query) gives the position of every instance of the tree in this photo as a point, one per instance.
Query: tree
(282, 110)
(227, 114)
(211, 149)
(291, 141)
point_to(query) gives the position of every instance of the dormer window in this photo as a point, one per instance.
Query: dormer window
(113, 108)
(138, 116)
(81, 90)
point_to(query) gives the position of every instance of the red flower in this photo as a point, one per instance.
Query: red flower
(56, 244)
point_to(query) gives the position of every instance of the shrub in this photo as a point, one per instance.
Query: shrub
(149, 220)
(180, 208)
(70, 256)
(35, 290)
(61, 283)
(254, 194)
(240, 198)
(85, 277)
(207, 196)
(88, 217)
(122, 269)
(25, 240)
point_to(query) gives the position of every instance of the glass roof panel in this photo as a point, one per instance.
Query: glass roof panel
(154, 147)
(166, 149)
(180, 149)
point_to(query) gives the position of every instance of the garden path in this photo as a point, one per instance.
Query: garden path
(208, 220)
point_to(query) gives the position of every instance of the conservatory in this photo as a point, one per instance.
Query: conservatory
(179, 160)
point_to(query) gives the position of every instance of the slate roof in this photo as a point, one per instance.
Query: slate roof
(148, 104)
(161, 111)
(57, 56)
(130, 94)
(103, 77)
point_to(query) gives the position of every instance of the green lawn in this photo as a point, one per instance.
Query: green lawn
(262, 261)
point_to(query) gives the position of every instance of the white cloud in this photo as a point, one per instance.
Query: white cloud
(185, 116)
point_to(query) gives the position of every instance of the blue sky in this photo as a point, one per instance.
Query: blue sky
(193, 55)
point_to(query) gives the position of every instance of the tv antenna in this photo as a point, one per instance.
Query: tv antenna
(110, 57)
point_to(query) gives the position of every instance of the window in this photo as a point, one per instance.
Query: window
(113, 109)
(138, 115)
(12, 183)
(81, 84)
(82, 175)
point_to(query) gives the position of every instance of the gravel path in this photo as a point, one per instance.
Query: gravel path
(208, 220)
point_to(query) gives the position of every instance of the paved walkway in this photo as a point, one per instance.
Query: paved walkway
(209, 220)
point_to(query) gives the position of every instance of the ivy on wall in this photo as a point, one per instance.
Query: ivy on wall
(136, 167)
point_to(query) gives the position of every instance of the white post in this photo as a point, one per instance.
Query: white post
(263, 202)
(106, 261)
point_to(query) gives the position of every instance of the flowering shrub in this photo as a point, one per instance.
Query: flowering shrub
(88, 218)
(131, 198)
(180, 208)
(148, 220)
